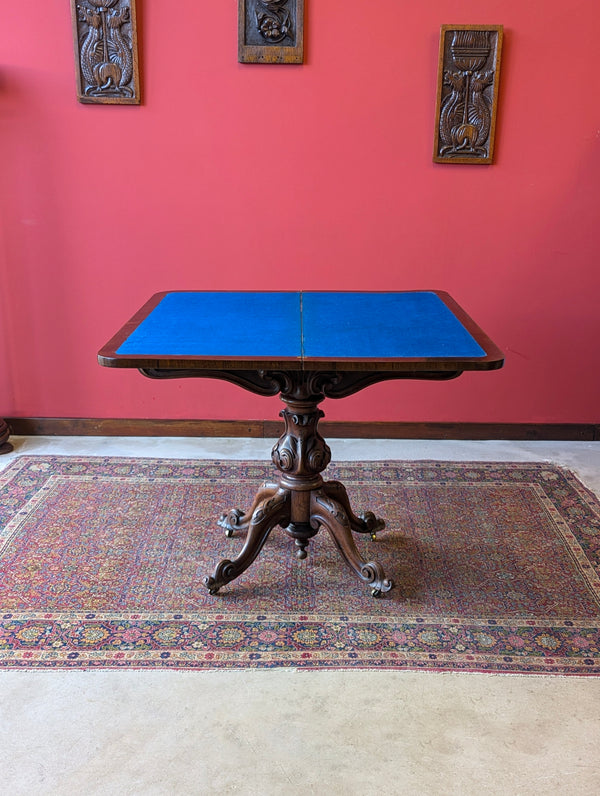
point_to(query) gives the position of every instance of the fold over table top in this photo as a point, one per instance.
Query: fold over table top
(387, 331)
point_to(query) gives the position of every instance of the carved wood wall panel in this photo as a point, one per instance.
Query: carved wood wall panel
(106, 51)
(467, 93)
(271, 31)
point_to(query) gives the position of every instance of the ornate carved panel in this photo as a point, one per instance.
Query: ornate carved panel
(106, 52)
(467, 94)
(271, 31)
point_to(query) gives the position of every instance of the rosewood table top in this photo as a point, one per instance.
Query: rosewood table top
(409, 331)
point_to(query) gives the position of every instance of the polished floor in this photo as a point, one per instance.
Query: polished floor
(298, 732)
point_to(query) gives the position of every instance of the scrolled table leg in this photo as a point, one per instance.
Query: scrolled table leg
(366, 522)
(331, 514)
(238, 520)
(271, 511)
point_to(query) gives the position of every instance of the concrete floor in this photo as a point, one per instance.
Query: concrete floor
(290, 732)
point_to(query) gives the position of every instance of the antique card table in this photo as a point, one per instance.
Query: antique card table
(304, 346)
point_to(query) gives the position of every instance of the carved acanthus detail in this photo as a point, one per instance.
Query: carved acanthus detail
(301, 450)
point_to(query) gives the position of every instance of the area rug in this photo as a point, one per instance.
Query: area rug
(102, 561)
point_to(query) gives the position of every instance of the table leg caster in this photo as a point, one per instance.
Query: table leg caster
(230, 521)
(387, 585)
(372, 524)
(224, 572)
(211, 585)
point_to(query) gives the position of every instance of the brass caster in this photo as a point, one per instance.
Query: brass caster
(229, 521)
(211, 585)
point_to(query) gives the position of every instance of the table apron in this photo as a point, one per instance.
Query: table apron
(301, 383)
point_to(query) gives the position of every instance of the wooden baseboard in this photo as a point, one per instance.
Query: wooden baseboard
(118, 427)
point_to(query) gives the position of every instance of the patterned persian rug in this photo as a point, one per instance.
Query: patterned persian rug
(102, 561)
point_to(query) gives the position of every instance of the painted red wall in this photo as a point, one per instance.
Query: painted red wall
(285, 177)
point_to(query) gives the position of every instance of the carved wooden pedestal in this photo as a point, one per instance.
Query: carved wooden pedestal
(301, 503)
(5, 446)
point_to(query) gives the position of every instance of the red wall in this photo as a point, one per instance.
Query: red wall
(285, 177)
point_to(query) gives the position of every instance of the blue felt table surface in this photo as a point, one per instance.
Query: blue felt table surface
(220, 324)
(382, 325)
(311, 325)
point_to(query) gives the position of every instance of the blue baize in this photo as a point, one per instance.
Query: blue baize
(301, 325)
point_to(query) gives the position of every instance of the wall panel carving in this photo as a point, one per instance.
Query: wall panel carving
(106, 52)
(467, 94)
(271, 31)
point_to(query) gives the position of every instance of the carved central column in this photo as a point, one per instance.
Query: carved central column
(301, 454)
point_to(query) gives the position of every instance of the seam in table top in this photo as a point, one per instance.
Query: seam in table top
(301, 325)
